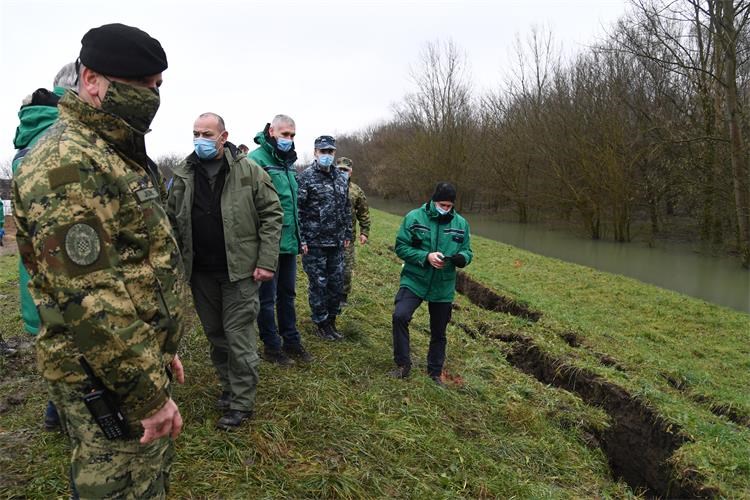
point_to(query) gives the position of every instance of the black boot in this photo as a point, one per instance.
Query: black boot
(299, 353)
(332, 328)
(223, 402)
(233, 419)
(400, 372)
(277, 356)
(323, 330)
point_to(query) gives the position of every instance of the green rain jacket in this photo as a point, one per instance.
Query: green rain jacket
(34, 121)
(285, 180)
(422, 232)
(250, 211)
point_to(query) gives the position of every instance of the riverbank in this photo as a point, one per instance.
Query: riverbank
(561, 382)
(675, 266)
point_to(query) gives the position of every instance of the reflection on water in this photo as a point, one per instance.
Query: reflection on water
(720, 280)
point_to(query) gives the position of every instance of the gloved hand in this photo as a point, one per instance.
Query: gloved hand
(458, 260)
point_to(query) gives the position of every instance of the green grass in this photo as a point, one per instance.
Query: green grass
(340, 428)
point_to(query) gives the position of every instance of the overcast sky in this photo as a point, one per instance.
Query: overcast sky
(334, 66)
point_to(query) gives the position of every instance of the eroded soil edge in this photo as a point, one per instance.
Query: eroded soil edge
(638, 444)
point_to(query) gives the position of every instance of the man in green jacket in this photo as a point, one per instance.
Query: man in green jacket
(38, 112)
(433, 241)
(275, 154)
(227, 217)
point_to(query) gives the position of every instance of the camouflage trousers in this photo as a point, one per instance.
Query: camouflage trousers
(324, 267)
(348, 268)
(100, 468)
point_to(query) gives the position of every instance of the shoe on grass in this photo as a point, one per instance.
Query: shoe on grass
(323, 331)
(400, 372)
(277, 356)
(299, 353)
(233, 419)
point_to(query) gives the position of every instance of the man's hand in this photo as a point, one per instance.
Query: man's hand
(347, 243)
(304, 249)
(435, 260)
(177, 370)
(262, 274)
(166, 421)
(362, 239)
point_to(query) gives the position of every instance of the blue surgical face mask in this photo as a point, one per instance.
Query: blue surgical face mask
(284, 144)
(440, 210)
(344, 174)
(325, 161)
(205, 148)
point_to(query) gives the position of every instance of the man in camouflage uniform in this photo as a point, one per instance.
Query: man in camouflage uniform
(106, 274)
(325, 231)
(361, 213)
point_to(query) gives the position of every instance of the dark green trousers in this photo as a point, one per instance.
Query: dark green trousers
(227, 311)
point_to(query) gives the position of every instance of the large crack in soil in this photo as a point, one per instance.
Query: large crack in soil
(486, 298)
(639, 444)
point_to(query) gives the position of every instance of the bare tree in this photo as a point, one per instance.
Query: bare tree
(700, 39)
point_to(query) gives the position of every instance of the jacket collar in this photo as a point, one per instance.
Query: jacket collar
(432, 213)
(285, 160)
(113, 129)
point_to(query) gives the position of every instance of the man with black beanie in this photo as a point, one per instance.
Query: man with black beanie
(433, 241)
(105, 270)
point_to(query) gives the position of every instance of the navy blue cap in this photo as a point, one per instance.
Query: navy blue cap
(325, 142)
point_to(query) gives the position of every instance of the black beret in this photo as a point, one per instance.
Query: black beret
(122, 51)
(444, 191)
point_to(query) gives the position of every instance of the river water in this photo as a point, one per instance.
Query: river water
(720, 280)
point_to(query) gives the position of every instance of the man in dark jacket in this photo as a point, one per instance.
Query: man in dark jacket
(433, 241)
(275, 154)
(326, 230)
(227, 217)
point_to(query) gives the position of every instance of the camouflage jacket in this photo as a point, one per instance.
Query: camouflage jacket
(324, 209)
(106, 274)
(360, 210)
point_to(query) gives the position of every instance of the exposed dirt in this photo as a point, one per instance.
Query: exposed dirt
(723, 410)
(718, 408)
(638, 443)
(571, 338)
(486, 298)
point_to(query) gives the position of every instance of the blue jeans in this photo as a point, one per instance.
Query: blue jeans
(279, 292)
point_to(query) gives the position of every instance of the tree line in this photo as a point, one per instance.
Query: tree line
(645, 129)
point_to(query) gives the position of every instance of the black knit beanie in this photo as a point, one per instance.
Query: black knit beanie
(444, 191)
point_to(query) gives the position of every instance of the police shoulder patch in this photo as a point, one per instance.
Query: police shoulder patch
(82, 244)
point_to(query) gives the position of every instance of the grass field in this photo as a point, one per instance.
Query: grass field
(619, 389)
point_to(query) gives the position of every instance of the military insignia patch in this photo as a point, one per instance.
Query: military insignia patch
(82, 244)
